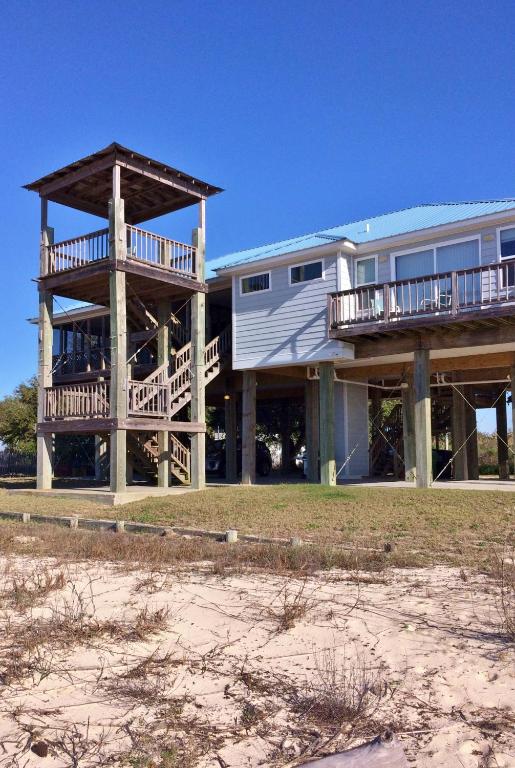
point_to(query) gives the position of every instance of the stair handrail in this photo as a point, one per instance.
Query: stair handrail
(180, 454)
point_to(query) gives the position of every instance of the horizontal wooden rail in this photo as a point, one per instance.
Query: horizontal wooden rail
(446, 293)
(75, 401)
(160, 251)
(70, 254)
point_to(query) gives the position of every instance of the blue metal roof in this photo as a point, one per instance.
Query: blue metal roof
(367, 230)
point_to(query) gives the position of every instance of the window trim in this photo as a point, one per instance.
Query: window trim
(256, 274)
(306, 264)
(365, 258)
(498, 238)
(432, 247)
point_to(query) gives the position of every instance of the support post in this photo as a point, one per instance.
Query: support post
(423, 445)
(285, 437)
(375, 410)
(45, 338)
(502, 438)
(198, 344)
(459, 432)
(248, 429)
(118, 319)
(100, 457)
(327, 446)
(231, 431)
(163, 356)
(408, 430)
(312, 401)
(471, 429)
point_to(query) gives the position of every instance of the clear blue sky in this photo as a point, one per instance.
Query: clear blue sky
(309, 114)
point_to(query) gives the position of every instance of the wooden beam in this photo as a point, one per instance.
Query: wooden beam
(98, 426)
(471, 429)
(327, 445)
(312, 417)
(435, 341)
(198, 378)
(248, 429)
(459, 431)
(118, 320)
(231, 436)
(408, 430)
(502, 438)
(423, 446)
(163, 356)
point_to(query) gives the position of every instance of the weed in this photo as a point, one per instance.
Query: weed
(342, 691)
(295, 605)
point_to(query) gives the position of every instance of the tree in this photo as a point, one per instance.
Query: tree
(18, 417)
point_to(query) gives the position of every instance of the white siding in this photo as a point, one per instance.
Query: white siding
(286, 325)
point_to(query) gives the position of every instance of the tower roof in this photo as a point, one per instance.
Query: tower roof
(150, 188)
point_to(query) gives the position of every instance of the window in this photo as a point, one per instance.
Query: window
(255, 283)
(305, 272)
(417, 264)
(507, 243)
(366, 271)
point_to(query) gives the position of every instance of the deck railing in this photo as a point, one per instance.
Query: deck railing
(446, 294)
(141, 246)
(160, 251)
(75, 401)
(70, 254)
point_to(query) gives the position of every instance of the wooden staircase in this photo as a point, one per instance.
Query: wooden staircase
(164, 394)
(144, 452)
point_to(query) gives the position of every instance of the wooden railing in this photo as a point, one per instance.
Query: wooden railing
(447, 293)
(148, 399)
(70, 254)
(180, 455)
(218, 347)
(76, 401)
(141, 245)
(160, 251)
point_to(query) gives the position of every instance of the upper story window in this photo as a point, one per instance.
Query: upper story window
(303, 273)
(255, 283)
(507, 238)
(366, 271)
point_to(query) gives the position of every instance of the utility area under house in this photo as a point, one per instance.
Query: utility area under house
(390, 332)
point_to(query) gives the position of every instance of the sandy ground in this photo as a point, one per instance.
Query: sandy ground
(193, 668)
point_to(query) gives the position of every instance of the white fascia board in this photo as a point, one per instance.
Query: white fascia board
(292, 257)
(465, 225)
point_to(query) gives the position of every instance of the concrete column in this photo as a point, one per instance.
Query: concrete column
(422, 392)
(231, 435)
(408, 430)
(471, 429)
(327, 446)
(198, 344)
(118, 321)
(45, 338)
(248, 429)
(163, 356)
(459, 432)
(312, 400)
(502, 438)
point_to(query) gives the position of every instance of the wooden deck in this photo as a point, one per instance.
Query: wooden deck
(478, 295)
(155, 266)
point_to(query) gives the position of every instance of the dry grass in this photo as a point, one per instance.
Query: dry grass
(156, 551)
(343, 691)
(503, 572)
(22, 591)
(452, 524)
(294, 605)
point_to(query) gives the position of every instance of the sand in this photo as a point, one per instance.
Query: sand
(242, 669)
